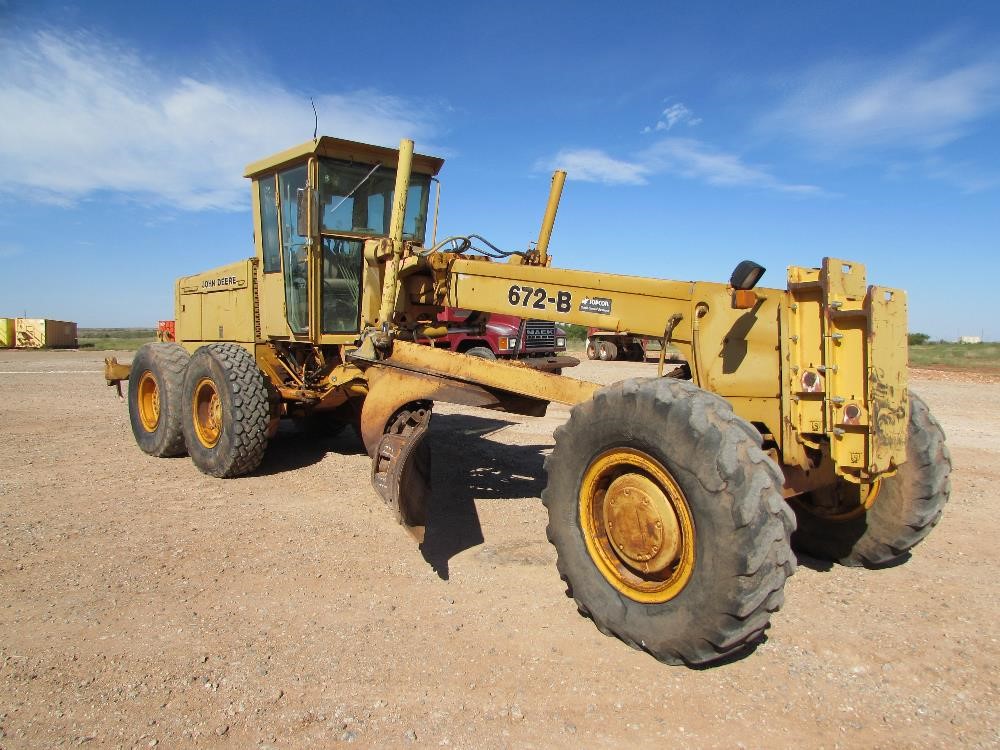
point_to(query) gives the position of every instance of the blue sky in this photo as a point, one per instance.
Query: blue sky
(695, 135)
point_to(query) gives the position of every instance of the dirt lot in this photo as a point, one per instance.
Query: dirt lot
(144, 604)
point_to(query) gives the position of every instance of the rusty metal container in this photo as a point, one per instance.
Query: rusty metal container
(41, 333)
(166, 330)
(6, 333)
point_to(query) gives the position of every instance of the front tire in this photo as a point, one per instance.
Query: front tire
(905, 508)
(481, 351)
(226, 411)
(155, 396)
(668, 520)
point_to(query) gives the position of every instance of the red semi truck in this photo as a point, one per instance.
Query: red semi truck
(609, 345)
(536, 342)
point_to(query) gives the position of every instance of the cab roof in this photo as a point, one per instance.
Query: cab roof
(338, 148)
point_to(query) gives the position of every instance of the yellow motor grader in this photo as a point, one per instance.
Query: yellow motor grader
(672, 499)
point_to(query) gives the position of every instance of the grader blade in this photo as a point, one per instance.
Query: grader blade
(397, 411)
(401, 468)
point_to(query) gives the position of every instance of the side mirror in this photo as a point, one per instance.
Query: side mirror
(746, 275)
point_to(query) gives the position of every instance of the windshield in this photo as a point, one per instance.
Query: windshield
(368, 208)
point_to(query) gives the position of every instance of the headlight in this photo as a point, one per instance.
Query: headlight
(561, 341)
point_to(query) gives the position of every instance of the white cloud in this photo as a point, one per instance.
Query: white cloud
(967, 176)
(915, 101)
(593, 165)
(673, 115)
(83, 115)
(697, 160)
(681, 157)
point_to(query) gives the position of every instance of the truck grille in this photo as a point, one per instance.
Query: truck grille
(539, 334)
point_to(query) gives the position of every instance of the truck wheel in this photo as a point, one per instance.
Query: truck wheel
(607, 351)
(591, 350)
(155, 396)
(480, 351)
(668, 520)
(226, 410)
(901, 512)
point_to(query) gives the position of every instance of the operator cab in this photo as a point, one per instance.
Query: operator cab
(332, 194)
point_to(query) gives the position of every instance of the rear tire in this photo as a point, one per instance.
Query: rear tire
(607, 351)
(591, 350)
(907, 507)
(481, 351)
(226, 411)
(718, 549)
(155, 396)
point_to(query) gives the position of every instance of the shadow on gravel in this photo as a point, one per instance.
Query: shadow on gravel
(825, 566)
(736, 656)
(294, 448)
(465, 468)
(813, 563)
(901, 560)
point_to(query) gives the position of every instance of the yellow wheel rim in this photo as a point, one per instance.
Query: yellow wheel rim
(149, 401)
(867, 494)
(206, 408)
(637, 525)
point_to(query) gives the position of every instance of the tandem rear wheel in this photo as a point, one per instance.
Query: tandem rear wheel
(668, 520)
(607, 351)
(226, 411)
(895, 515)
(155, 398)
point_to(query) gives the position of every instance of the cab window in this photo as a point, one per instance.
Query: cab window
(269, 224)
(293, 250)
(356, 200)
(341, 288)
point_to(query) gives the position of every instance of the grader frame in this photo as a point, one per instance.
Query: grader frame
(323, 321)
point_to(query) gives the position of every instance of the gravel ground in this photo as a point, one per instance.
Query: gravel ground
(143, 603)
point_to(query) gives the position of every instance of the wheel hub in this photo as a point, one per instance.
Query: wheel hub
(207, 412)
(637, 525)
(149, 402)
(641, 525)
(215, 412)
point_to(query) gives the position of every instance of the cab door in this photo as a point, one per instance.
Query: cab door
(294, 250)
(340, 285)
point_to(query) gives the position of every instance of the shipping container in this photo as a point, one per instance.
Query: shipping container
(6, 333)
(39, 333)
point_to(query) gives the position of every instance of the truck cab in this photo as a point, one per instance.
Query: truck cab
(537, 342)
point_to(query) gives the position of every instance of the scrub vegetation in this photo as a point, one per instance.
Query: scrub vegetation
(128, 339)
(984, 356)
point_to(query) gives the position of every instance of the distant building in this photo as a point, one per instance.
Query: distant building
(41, 333)
(970, 339)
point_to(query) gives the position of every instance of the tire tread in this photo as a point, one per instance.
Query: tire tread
(251, 412)
(763, 521)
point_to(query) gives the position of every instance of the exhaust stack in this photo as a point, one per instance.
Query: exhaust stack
(558, 179)
(396, 229)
